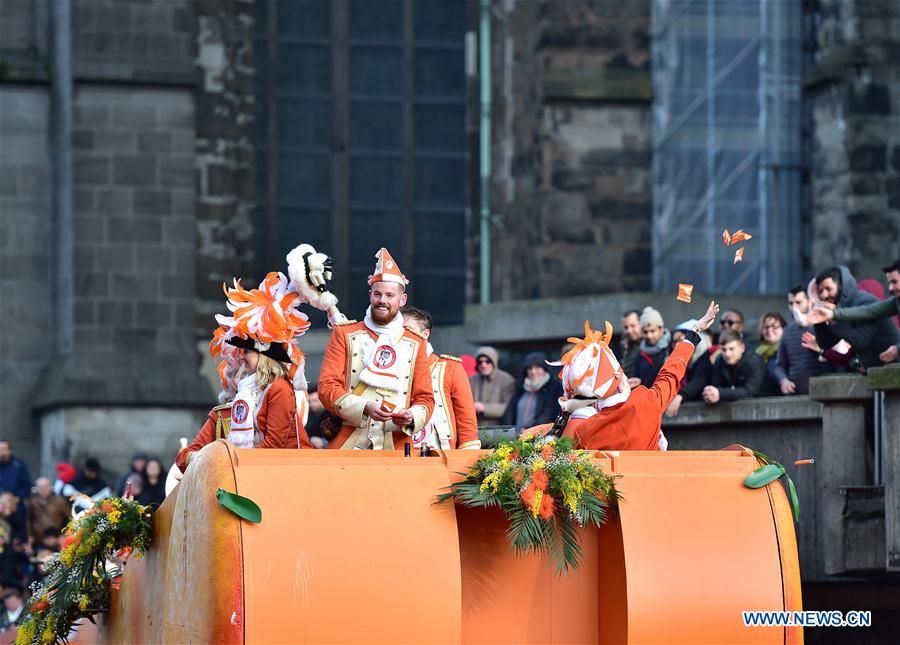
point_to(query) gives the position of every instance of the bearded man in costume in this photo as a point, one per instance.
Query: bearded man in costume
(375, 373)
(601, 411)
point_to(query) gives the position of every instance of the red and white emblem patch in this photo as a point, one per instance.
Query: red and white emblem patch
(239, 411)
(384, 356)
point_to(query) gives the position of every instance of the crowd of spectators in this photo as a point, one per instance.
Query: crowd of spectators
(32, 516)
(836, 326)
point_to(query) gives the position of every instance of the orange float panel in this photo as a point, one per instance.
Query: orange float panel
(351, 548)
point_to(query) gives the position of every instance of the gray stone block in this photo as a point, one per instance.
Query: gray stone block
(152, 202)
(153, 313)
(9, 180)
(115, 140)
(182, 202)
(179, 231)
(88, 230)
(178, 114)
(157, 259)
(139, 230)
(83, 313)
(115, 257)
(176, 287)
(137, 341)
(138, 115)
(175, 171)
(83, 256)
(94, 285)
(88, 113)
(143, 286)
(115, 313)
(83, 140)
(134, 45)
(114, 201)
(152, 141)
(91, 170)
(83, 200)
(134, 170)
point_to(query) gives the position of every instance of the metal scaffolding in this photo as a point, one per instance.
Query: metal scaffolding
(727, 145)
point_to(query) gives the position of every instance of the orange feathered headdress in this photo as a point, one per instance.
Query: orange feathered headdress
(590, 369)
(265, 319)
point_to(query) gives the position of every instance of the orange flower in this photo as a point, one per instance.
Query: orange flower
(518, 476)
(573, 457)
(68, 540)
(107, 507)
(514, 454)
(547, 452)
(40, 605)
(123, 553)
(539, 479)
(547, 507)
(528, 494)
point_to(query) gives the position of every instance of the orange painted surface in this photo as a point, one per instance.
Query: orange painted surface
(351, 549)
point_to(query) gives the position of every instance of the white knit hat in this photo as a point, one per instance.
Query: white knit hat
(651, 316)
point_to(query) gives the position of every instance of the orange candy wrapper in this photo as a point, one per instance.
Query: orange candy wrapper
(684, 292)
(387, 406)
(739, 255)
(739, 236)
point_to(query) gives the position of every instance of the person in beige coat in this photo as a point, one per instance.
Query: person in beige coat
(492, 388)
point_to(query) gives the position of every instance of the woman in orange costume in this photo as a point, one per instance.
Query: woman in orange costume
(260, 369)
(600, 410)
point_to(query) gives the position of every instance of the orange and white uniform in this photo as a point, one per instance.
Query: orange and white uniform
(352, 348)
(453, 422)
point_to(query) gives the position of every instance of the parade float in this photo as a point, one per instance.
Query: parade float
(351, 547)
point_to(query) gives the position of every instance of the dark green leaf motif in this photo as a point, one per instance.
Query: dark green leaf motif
(243, 507)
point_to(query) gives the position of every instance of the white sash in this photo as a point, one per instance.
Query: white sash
(243, 413)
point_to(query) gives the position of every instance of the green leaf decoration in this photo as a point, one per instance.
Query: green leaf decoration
(764, 475)
(243, 507)
(795, 501)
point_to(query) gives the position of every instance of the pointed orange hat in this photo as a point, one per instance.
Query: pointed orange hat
(386, 269)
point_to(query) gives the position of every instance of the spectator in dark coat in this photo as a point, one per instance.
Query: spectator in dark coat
(794, 364)
(655, 349)
(154, 483)
(737, 374)
(537, 398)
(630, 344)
(14, 477)
(837, 286)
(89, 481)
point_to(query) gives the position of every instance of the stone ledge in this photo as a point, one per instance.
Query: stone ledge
(839, 387)
(761, 410)
(885, 378)
(505, 323)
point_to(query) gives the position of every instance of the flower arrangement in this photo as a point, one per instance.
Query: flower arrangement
(78, 580)
(546, 489)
